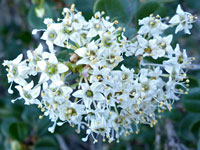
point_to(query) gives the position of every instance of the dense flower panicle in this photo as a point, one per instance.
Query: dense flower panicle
(108, 97)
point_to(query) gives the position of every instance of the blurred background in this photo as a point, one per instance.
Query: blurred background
(20, 126)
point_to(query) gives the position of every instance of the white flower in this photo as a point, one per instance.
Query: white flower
(127, 74)
(17, 71)
(146, 47)
(99, 75)
(131, 48)
(88, 54)
(183, 19)
(52, 36)
(110, 58)
(58, 90)
(164, 45)
(179, 61)
(71, 112)
(79, 22)
(157, 72)
(99, 125)
(29, 93)
(170, 89)
(95, 26)
(152, 26)
(34, 56)
(50, 67)
(89, 93)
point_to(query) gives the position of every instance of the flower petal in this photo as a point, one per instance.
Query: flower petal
(81, 51)
(62, 68)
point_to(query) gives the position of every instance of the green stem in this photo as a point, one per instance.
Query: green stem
(74, 85)
(41, 3)
(73, 47)
(116, 110)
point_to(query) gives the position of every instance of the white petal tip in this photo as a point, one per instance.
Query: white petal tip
(10, 91)
(34, 31)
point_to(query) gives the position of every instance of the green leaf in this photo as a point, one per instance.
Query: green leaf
(186, 126)
(64, 55)
(175, 114)
(147, 134)
(156, 61)
(30, 115)
(129, 62)
(192, 5)
(43, 125)
(72, 77)
(121, 10)
(193, 82)
(192, 101)
(5, 126)
(25, 37)
(36, 22)
(151, 7)
(18, 131)
(46, 143)
(86, 6)
(198, 142)
(195, 129)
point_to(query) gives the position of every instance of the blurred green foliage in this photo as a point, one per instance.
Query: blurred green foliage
(20, 126)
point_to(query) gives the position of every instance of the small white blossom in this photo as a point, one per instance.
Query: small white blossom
(152, 26)
(29, 93)
(50, 67)
(183, 19)
(17, 71)
(89, 93)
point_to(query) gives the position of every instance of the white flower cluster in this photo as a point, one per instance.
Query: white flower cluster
(105, 100)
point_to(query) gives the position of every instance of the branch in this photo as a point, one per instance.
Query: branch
(61, 142)
(158, 138)
(173, 142)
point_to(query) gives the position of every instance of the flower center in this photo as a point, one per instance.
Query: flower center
(67, 31)
(52, 35)
(107, 42)
(14, 71)
(111, 59)
(70, 112)
(152, 23)
(101, 129)
(147, 50)
(119, 120)
(27, 96)
(124, 76)
(162, 45)
(180, 59)
(51, 69)
(89, 93)
(109, 96)
(100, 78)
